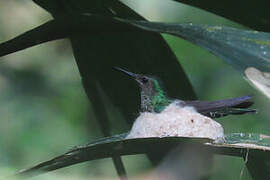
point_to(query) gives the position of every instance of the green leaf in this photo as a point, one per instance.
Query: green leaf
(60, 28)
(241, 48)
(257, 163)
(250, 138)
(247, 12)
(118, 145)
(241, 11)
(108, 147)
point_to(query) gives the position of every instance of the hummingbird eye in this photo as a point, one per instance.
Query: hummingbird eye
(144, 80)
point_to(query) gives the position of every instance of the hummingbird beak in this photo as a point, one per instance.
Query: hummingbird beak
(126, 72)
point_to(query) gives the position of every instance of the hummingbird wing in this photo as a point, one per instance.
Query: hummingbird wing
(220, 108)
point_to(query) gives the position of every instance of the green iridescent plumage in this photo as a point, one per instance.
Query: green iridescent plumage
(159, 100)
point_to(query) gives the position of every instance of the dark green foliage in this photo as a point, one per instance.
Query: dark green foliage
(107, 33)
(241, 48)
(247, 12)
(118, 145)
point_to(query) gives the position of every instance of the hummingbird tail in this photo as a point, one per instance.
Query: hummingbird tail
(220, 108)
(245, 104)
(230, 111)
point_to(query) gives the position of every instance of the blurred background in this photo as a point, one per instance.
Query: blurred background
(44, 110)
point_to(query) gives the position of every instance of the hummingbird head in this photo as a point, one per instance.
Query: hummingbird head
(153, 98)
(148, 85)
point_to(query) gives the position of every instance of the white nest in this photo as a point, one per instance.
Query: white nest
(175, 120)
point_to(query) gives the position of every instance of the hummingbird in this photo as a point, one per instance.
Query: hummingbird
(154, 99)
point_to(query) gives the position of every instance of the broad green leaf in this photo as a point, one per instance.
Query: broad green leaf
(108, 147)
(258, 164)
(60, 28)
(247, 12)
(241, 48)
(248, 138)
(238, 144)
